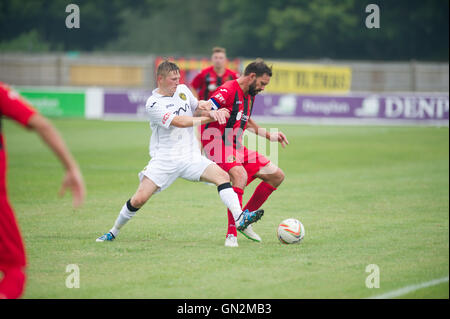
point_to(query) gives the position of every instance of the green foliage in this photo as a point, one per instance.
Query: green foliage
(28, 41)
(292, 29)
(336, 29)
(99, 22)
(168, 28)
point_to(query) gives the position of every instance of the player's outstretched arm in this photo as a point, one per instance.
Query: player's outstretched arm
(188, 121)
(204, 108)
(73, 178)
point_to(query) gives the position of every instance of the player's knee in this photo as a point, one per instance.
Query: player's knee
(281, 175)
(216, 175)
(223, 177)
(278, 177)
(238, 177)
(138, 200)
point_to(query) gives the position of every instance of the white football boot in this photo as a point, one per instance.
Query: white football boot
(250, 234)
(231, 241)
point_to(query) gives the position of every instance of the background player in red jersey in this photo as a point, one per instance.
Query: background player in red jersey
(210, 78)
(12, 251)
(223, 143)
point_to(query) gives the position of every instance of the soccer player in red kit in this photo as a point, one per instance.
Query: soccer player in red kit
(210, 78)
(12, 252)
(223, 143)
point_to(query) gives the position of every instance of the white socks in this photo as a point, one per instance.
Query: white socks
(226, 193)
(230, 199)
(125, 215)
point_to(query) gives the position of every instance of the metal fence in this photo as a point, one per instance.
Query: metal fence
(137, 71)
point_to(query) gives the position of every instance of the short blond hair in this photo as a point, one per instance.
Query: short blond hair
(219, 50)
(165, 67)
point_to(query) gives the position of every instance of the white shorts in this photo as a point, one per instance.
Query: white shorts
(164, 172)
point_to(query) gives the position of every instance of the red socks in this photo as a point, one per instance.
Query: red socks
(262, 192)
(231, 224)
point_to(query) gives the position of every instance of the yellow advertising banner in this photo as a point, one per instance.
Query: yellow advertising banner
(308, 78)
(107, 75)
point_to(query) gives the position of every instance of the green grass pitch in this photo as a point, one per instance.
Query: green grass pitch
(366, 195)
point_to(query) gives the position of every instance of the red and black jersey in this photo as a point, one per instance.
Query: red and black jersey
(207, 81)
(12, 252)
(14, 107)
(230, 96)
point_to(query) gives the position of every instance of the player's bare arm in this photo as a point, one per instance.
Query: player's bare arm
(279, 136)
(73, 178)
(188, 121)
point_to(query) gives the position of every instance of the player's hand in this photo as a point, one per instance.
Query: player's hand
(279, 137)
(204, 105)
(74, 181)
(220, 116)
(225, 113)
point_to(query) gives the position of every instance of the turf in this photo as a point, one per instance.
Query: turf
(366, 195)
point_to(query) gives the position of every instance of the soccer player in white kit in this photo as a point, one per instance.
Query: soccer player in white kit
(175, 152)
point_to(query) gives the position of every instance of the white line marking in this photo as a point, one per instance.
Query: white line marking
(408, 289)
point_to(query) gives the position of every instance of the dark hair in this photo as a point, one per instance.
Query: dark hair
(259, 67)
(165, 67)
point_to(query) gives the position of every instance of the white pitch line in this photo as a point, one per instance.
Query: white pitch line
(408, 289)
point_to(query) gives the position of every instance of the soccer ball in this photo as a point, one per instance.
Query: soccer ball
(290, 231)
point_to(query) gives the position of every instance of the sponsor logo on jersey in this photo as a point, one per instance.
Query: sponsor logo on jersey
(240, 116)
(220, 97)
(231, 159)
(166, 117)
(184, 109)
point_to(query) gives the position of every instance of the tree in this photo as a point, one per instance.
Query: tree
(99, 22)
(291, 29)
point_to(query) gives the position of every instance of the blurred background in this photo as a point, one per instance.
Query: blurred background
(329, 65)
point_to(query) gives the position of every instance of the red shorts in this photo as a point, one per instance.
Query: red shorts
(12, 251)
(228, 157)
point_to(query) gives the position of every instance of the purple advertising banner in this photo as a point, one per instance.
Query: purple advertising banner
(386, 107)
(129, 103)
(405, 106)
